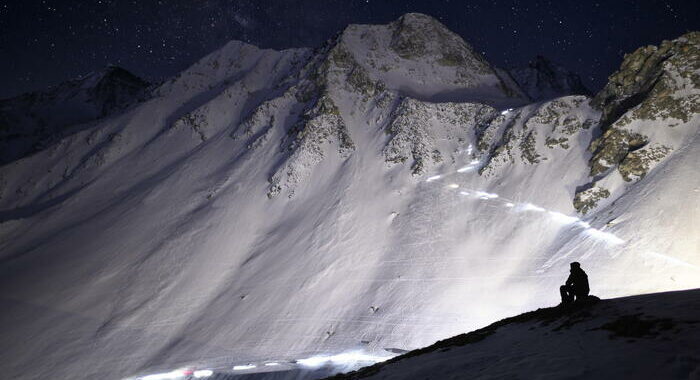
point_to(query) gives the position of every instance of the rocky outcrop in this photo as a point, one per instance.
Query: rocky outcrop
(649, 107)
(416, 35)
(421, 132)
(587, 199)
(648, 79)
(526, 136)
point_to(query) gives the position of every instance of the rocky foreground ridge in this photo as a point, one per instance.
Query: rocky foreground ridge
(650, 336)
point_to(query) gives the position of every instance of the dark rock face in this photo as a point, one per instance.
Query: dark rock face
(32, 121)
(541, 80)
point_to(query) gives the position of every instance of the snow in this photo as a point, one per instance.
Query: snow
(153, 240)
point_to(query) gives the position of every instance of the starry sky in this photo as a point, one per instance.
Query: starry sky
(45, 42)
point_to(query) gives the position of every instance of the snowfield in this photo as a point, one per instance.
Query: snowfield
(382, 192)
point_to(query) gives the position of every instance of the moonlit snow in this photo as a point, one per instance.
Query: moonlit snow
(322, 207)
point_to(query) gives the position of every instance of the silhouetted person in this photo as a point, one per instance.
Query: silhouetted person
(576, 285)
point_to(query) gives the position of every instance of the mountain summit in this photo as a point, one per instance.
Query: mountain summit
(34, 121)
(542, 79)
(383, 191)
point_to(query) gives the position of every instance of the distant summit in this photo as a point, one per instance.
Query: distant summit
(31, 121)
(542, 79)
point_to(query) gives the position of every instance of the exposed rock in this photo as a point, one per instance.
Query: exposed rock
(649, 77)
(638, 163)
(520, 137)
(196, 121)
(586, 200)
(610, 149)
(656, 88)
(417, 35)
(416, 127)
(565, 119)
(320, 125)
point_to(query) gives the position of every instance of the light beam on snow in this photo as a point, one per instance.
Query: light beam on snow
(465, 169)
(531, 207)
(605, 236)
(243, 367)
(176, 374)
(344, 359)
(453, 186)
(562, 218)
(202, 373)
(505, 112)
(273, 364)
(433, 178)
(583, 224)
(485, 195)
(556, 216)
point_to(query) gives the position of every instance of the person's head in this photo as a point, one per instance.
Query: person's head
(575, 265)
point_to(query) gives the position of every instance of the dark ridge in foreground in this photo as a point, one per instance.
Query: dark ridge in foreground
(626, 322)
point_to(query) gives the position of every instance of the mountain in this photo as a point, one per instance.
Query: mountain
(542, 80)
(34, 121)
(383, 191)
(654, 336)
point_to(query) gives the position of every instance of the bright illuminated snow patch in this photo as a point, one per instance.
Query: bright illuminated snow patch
(273, 364)
(453, 186)
(559, 217)
(346, 358)
(176, 374)
(531, 207)
(243, 367)
(202, 373)
(465, 169)
(433, 178)
(485, 195)
(583, 224)
(605, 236)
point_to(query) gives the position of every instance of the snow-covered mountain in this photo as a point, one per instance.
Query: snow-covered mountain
(654, 336)
(386, 190)
(542, 79)
(33, 121)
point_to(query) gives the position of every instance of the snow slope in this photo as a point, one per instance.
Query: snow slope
(384, 191)
(654, 336)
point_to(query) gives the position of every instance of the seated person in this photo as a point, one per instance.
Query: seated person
(576, 287)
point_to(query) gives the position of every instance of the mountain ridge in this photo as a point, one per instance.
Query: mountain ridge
(278, 204)
(646, 321)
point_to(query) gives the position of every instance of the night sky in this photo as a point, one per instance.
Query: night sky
(45, 42)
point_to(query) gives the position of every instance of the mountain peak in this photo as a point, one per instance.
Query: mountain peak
(418, 56)
(36, 119)
(543, 79)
